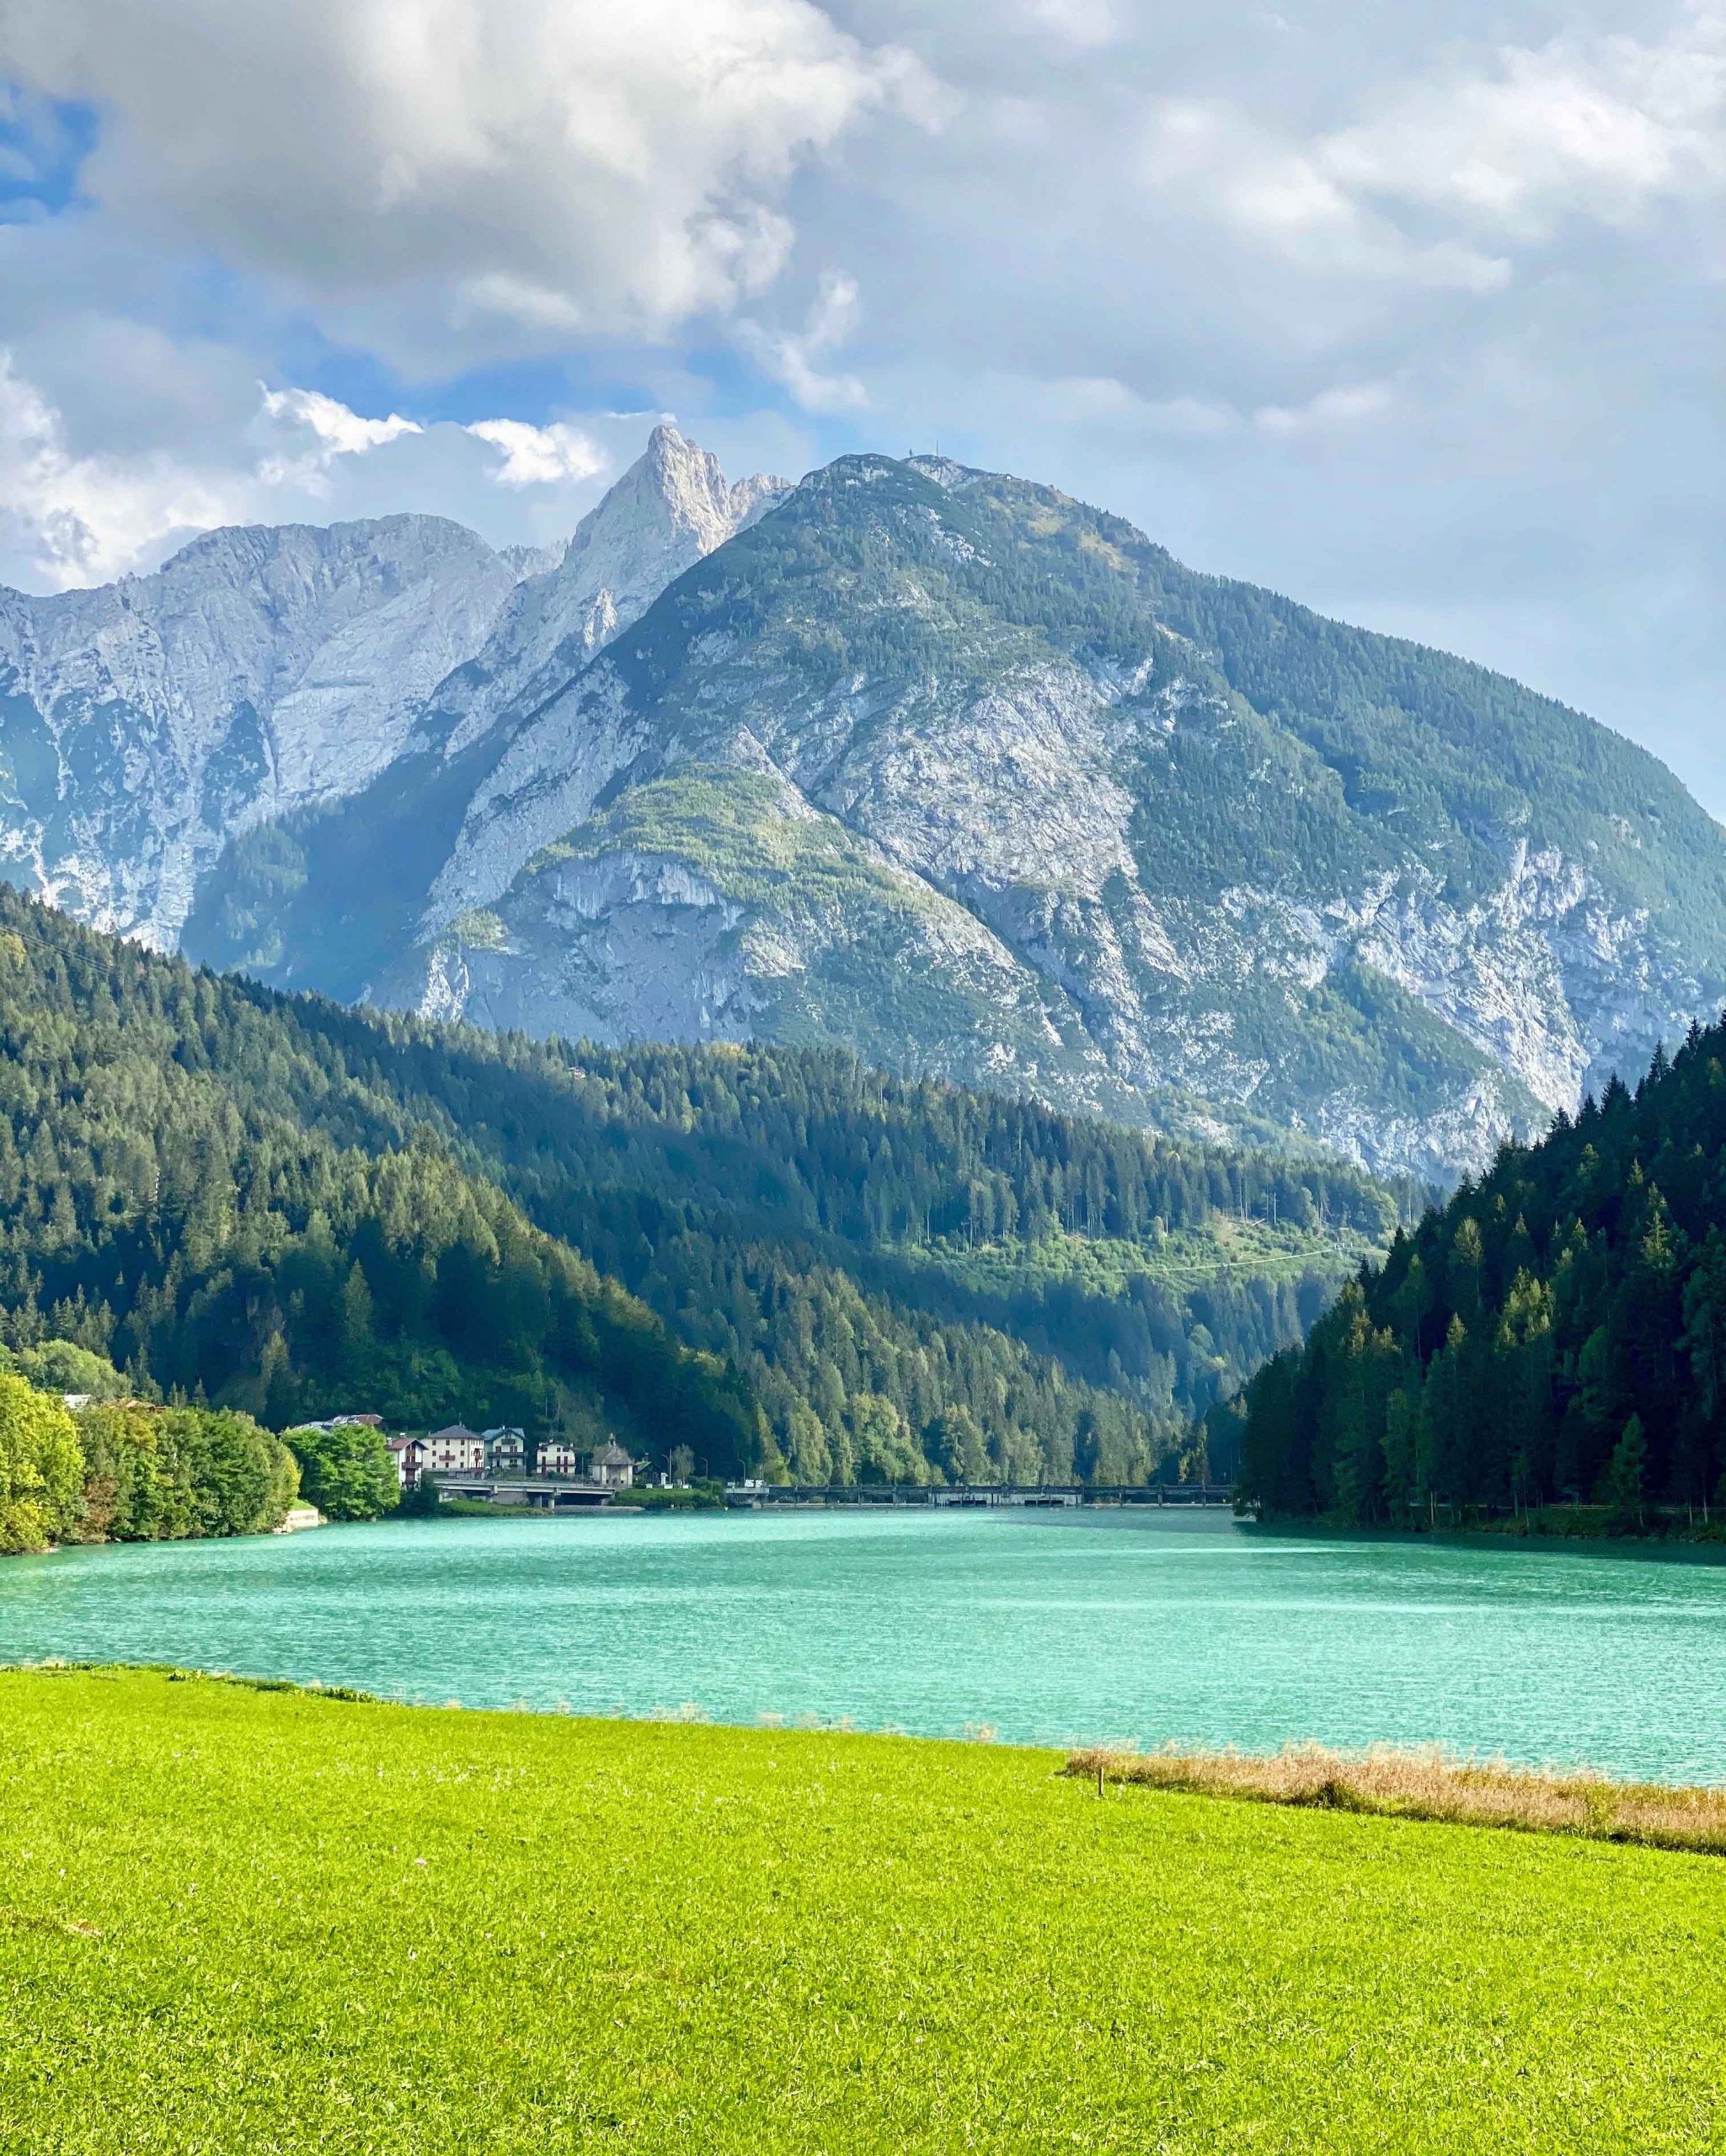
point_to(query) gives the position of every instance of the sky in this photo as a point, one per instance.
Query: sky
(1415, 313)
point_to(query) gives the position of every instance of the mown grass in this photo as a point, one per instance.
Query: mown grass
(264, 1921)
(1425, 1782)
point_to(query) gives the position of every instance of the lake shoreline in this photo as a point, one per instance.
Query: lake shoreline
(1059, 1629)
(1674, 1549)
(1426, 1783)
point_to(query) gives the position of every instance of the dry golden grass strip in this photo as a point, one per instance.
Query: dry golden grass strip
(1430, 1783)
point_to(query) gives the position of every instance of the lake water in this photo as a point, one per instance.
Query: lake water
(1045, 1627)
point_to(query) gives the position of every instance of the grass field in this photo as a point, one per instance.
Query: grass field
(264, 1922)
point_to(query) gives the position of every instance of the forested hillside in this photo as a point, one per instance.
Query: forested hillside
(301, 1209)
(1556, 1332)
(163, 1203)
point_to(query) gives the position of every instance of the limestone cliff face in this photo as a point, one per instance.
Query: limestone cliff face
(146, 724)
(1171, 908)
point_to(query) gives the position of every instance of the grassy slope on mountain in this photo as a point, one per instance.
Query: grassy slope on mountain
(1558, 1330)
(236, 1920)
(1226, 1246)
(761, 1201)
(853, 919)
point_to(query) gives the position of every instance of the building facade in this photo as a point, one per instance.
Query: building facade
(612, 1467)
(506, 1450)
(454, 1450)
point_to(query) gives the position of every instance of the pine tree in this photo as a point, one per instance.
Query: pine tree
(1627, 1470)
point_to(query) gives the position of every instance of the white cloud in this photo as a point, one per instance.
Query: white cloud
(1083, 23)
(1221, 163)
(1595, 129)
(519, 300)
(790, 356)
(540, 456)
(517, 170)
(1343, 406)
(1099, 403)
(1510, 148)
(75, 520)
(333, 430)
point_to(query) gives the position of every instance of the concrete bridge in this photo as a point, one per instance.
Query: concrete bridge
(1052, 1496)
(545, 1493)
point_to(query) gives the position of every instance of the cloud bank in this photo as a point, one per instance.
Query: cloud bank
(1416, 315)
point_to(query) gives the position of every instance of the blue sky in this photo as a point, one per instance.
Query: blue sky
(1416, 315)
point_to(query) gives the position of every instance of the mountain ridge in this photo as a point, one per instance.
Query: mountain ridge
(1007, 830)
(983, 782)
(266, 668)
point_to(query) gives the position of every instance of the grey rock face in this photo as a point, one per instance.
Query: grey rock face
(929, 761)
(144, 725)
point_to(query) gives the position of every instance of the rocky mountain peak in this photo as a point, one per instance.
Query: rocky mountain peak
(673, 506)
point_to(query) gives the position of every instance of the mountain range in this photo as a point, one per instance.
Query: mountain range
(932, 762)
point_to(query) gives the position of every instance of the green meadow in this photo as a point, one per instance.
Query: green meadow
(268, 1921)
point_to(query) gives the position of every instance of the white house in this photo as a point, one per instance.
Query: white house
(456, 1450)
(556, 1456)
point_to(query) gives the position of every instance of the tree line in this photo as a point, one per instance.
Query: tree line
(126, 1471)
(302, 1209)
(1557, 1332)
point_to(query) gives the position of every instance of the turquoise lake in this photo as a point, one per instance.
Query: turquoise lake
(1045, 1629)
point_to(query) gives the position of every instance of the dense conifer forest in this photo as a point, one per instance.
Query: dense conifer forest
(294, 1208)
(1557, 1332)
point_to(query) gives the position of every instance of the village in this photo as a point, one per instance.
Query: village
(492, 1466)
